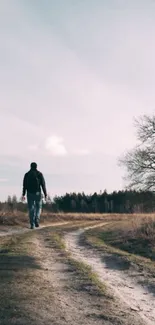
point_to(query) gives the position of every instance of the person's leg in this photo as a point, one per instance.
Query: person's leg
(38, 207)
(31, 207)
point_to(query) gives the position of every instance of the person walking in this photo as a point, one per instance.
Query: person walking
(33, 183)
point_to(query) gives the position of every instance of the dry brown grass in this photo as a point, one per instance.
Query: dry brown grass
(135, 235)
(18, 218)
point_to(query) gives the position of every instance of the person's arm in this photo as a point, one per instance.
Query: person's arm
(43, 185)
(24, 185)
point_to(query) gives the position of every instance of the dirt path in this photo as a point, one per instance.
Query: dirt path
(68, 306)
(6, 230)
(125, 287)
(46, 289)
(74, 301)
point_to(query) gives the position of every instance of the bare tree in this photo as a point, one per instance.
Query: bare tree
(140, 161)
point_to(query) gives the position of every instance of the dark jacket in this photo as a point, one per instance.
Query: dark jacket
(27, 186)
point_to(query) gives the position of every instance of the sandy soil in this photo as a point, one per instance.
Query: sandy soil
(117, 276)
(74, 304)
(55, 294)
(68, 306)
(7, 230)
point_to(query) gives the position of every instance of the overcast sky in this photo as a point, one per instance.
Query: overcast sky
(73, 74)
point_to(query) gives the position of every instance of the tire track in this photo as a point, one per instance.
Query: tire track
(20, 230)
(135, 296)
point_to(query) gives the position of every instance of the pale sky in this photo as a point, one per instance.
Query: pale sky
(73, 74)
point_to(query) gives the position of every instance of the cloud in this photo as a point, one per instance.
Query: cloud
(55, 146)
(81, 80)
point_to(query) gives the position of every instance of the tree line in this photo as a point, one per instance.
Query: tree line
(103, 202)
(139, 195)
(127, 201)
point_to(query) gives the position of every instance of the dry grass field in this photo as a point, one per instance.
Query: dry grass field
(77, 269)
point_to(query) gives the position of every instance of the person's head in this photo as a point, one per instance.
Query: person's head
(33, 166)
